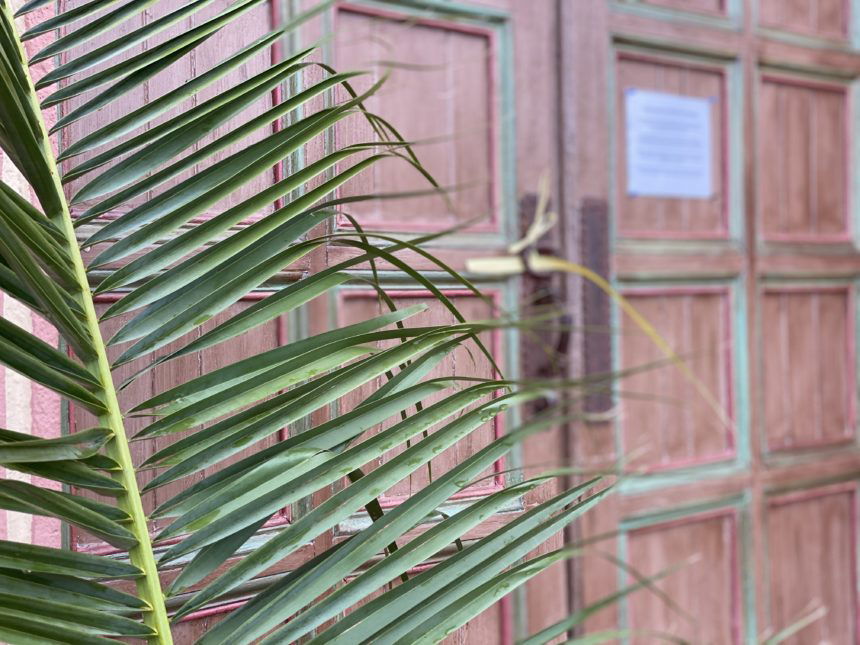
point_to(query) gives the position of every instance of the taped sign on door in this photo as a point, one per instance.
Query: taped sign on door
(669, 145)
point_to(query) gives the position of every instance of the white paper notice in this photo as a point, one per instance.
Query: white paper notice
(668, 145)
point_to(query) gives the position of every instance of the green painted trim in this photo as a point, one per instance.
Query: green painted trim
(613, 135)
(749, 597)
(854, 26)
(855, 294)
(399, 280)
(653, 518)
(811, 72)
(506, 124)
(329, 144)
(676, 52)
(741, 372)
(445, 9)
(812, 483)
(737, 98)
(808, 41)
(732, 20)
(659, 44)
(292, 42)
(298, 327)
(510, 291)
(685, 476)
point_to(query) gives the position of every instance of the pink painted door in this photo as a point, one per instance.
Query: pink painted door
(452, 91)
(751, 465)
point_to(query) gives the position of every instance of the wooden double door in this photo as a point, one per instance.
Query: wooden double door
(752, 463)
(747, 471)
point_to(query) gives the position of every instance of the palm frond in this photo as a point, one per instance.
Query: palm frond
(176, 275)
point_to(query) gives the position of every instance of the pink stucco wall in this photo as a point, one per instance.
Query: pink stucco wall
(24, 406)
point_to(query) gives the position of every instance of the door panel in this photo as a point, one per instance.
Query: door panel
(356, 305)
(668, 424)
(804, 137)
(709, 585)
(442, 94)
(809, 369)
(451, 92)
(453, 114)
(826, 518)
(254, 24)
(822, 18)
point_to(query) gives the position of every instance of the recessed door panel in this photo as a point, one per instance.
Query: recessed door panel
(804, 154)
(808, 368)
(442, 94)
(706, 588)
(811, 545)
(240, 33)
(467, 360)
(667, 419)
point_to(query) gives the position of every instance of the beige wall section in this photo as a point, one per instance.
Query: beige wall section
(25, 407)
(17, 395)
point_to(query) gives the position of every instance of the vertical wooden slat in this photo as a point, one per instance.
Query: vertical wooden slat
(830, 154)
(796, 189)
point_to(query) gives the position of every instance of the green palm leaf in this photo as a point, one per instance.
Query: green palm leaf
(176, 275)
